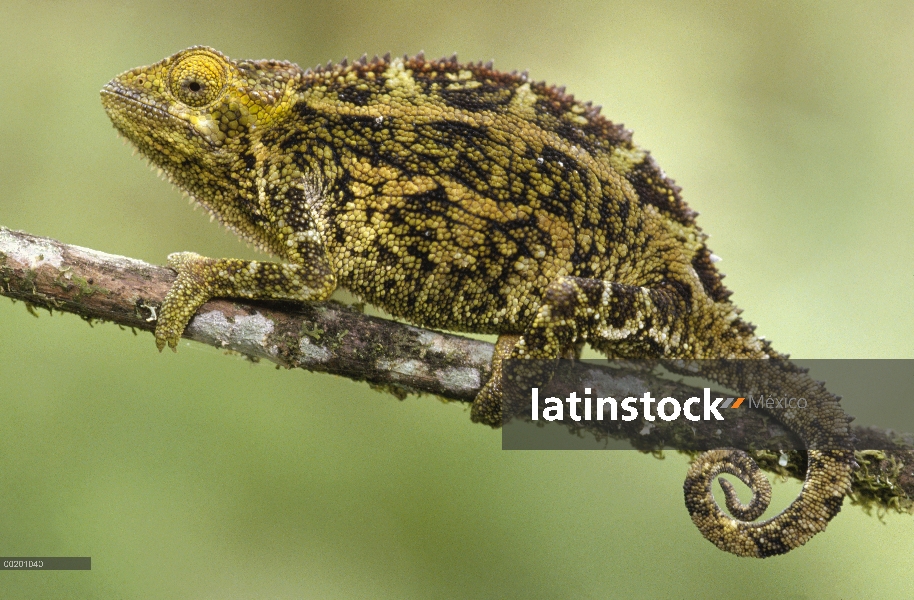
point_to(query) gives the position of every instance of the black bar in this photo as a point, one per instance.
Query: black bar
(53, 563)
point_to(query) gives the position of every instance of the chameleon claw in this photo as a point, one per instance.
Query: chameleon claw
(169, 340)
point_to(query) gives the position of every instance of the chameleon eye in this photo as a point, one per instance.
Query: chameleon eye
(197, 79)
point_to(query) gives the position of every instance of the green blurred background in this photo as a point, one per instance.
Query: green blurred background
(198, 475)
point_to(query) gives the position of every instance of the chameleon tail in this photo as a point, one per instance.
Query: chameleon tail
(825, 431)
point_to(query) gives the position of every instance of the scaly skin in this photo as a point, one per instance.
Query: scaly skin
(462, 198)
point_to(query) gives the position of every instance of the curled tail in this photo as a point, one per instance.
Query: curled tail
(823, 427)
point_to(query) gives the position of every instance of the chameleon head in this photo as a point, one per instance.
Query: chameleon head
(197, 113)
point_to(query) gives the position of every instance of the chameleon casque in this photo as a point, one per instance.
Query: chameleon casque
(459, 197)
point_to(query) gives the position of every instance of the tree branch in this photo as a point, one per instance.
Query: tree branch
(332, 338)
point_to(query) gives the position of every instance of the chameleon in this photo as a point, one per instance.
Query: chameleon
(459, 197)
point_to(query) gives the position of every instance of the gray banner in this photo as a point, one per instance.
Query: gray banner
(655, 405)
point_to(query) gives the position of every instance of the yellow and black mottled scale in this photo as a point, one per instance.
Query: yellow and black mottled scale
(458, 193)
(460, 197)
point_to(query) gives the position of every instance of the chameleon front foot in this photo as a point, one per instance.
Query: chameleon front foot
(201, 278)
(188, 293)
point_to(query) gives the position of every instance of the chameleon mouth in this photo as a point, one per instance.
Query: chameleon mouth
(137, 118)
(119, 101)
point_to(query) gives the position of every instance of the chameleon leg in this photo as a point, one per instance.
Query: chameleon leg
(201, 278)
(571, 308)
(487, 405)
